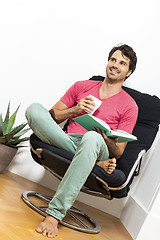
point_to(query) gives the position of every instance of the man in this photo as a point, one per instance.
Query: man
(118, 109)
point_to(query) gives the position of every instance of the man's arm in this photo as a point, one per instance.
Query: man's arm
(115, 149)
(61, 111)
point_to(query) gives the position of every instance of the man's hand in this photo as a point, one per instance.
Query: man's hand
(85, 104)
(115, 149)
(102, 132)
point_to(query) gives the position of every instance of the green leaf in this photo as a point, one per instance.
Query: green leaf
(13, 143)
(1, 126)
(18, 128)
(7, 114)
(11, 120)
(19, 134)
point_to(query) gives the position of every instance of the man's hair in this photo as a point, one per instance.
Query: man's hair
(128, 52)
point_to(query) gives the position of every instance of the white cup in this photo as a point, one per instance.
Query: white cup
(97, 103)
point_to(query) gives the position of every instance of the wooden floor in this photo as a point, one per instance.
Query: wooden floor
(18, 221)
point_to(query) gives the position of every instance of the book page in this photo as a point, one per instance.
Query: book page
(102, 122)
(117, 131)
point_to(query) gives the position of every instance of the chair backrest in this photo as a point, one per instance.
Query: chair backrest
(145, 129)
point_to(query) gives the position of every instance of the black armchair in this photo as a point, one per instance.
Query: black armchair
(57, 161)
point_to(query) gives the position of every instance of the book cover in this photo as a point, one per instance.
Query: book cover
(89, 122)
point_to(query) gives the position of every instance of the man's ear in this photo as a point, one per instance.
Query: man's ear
(129, 73)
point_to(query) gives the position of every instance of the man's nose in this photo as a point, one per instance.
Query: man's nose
(115, 65)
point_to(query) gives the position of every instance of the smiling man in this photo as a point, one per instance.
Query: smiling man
(118, 67)
(118, 109)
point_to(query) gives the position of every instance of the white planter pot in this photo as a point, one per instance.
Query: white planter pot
(6, 156)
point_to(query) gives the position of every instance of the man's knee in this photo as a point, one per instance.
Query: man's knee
(93, 138)
(30, 112)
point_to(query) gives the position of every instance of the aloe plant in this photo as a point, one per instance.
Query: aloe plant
(10, 135)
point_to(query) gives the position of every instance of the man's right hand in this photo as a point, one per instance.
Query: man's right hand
(85, 104)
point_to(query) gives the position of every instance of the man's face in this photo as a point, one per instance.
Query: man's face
(118, 67)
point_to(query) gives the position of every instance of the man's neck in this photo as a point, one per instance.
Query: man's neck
(109, 89)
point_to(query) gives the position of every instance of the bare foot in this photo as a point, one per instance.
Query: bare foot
(108, 165)
(48, 227)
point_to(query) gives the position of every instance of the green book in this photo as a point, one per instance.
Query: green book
(89, 122)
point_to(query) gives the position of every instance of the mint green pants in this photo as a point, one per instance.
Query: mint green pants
(88, 148)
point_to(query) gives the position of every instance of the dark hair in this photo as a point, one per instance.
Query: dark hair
(128, 52)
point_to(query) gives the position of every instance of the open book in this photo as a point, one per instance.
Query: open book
(89, 122)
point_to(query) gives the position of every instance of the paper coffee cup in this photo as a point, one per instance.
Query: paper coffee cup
(97, 103)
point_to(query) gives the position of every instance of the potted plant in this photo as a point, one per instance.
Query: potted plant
(10, 137)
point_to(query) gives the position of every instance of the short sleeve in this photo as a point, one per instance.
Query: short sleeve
(69, 98)
(128, 119)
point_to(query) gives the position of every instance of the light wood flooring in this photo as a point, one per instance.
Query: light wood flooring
(18, 221)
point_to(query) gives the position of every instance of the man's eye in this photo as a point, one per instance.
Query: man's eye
(123, 63)
(113, 59)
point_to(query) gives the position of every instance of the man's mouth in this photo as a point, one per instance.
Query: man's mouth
(114, 71)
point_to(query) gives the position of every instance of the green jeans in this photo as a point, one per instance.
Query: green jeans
(88, 148)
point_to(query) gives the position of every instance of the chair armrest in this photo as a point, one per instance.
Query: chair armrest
(138, 160)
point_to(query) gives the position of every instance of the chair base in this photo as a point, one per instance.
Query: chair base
(75, 218)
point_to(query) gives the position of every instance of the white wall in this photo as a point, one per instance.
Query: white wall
(142, 208)
(45, 46)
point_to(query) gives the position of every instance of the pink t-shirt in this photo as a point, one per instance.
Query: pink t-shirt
(119, 111)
